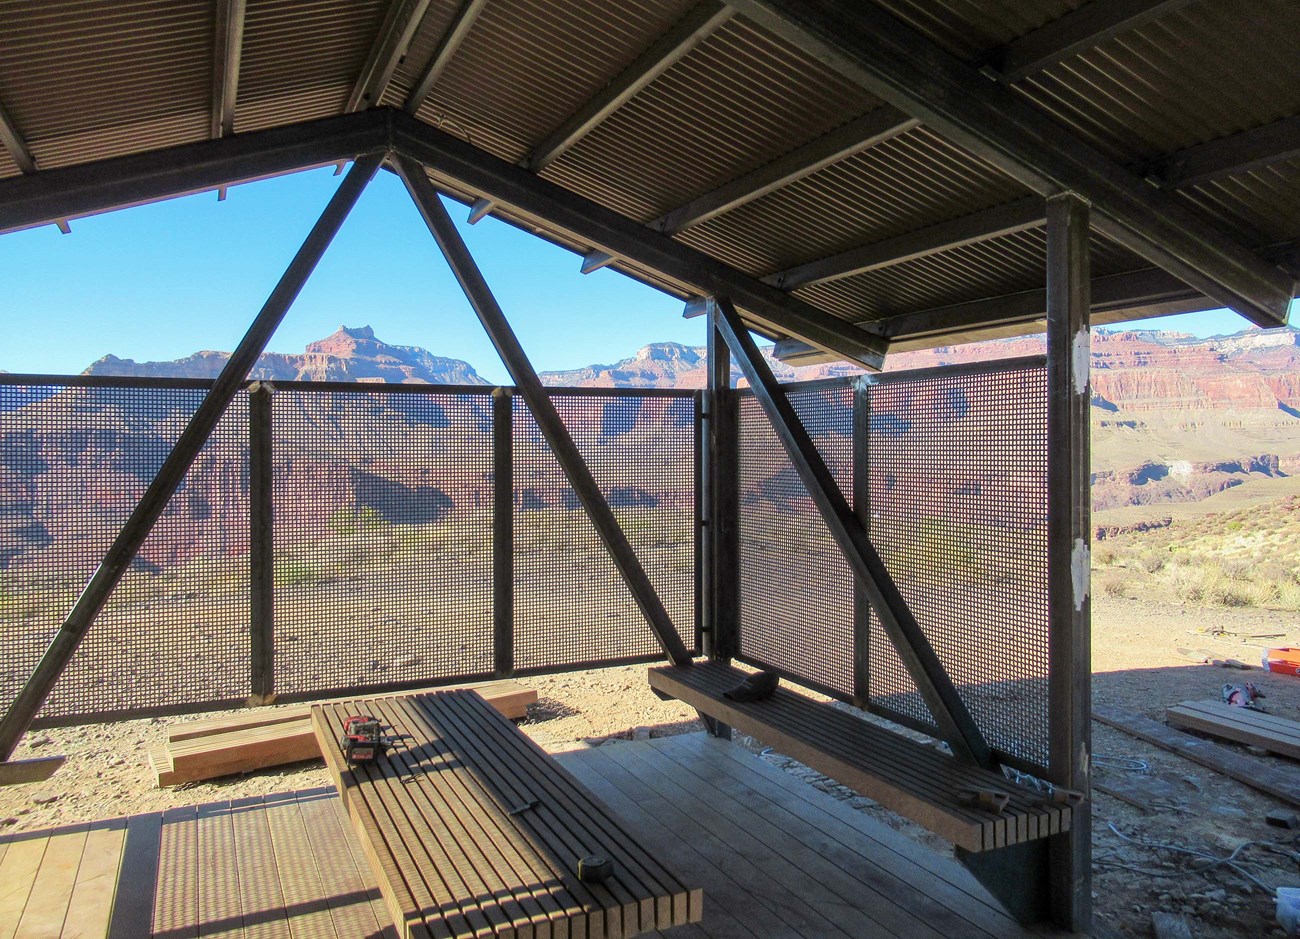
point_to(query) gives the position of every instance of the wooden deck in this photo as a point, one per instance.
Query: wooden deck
(776, 858)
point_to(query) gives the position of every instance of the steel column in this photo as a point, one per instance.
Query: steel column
(949, 711)
(723, 468)
(862, 506)
(503, 533)
(1068, 550)
(539, 403)
(170, 475)
(261, 545)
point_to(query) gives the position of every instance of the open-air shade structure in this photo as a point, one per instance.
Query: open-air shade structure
(844, 179)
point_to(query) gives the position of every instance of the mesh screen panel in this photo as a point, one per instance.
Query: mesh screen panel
(73, 463)
(796, 611)
(571, 605)
(958, 505)
(383, 536)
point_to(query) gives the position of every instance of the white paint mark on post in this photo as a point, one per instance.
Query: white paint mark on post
(1082, 360)
(1081, 571)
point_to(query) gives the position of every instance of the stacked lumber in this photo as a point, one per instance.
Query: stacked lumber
(258, 739)
(1242, 725)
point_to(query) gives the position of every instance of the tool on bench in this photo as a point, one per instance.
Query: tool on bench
(595, 869)
(363, 739)
(990, 800)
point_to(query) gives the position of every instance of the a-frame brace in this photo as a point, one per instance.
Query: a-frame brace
(539, 403)
(192, 439)
(955, 723)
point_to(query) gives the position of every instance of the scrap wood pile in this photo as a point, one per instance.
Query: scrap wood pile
(257, 739)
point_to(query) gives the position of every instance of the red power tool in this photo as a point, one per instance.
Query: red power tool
(363, 740)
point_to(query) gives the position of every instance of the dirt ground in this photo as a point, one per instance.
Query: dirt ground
(1136, 667)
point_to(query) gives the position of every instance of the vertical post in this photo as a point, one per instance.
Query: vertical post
(861, 505)
(724, 497)
(153, 503)
(1068, 550)
(503, 533)
(261, 545)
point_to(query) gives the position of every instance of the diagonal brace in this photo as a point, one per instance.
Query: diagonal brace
(170, 475)
(543, 409)
(955, 722)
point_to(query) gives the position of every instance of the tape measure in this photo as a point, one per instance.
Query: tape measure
(595, 869)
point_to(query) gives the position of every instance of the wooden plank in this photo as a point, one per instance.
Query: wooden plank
(509, 697)
(1242, 725)
(346, 879)
(260, 899)
(887, 895)
(133, 904)
(527, 876)
(18, 871)
(91, 904)
(47, 904)
(936, 877)
(1282, 782)
(39, 769)
(909, 778)
(219, 913)
(846, 903)
(441, 821)
(660, 900)
(740, 905)
(306, 909)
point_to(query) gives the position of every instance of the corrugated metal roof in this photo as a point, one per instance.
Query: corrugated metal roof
(914, 180)
(86, 80)
(738, 100)
(301, 59)
(528, 64)
(1190, 76)
(992, 268)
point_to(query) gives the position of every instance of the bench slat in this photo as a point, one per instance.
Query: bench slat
(910, 778)
(435, 819)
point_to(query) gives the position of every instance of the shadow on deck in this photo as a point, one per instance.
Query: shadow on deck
(776, 858)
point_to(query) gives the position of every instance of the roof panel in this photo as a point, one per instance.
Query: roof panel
(1190, 76)
(301, 59)
(970, 28)
(84, 80)
(1262, 205)
(992, 268)
(916, 179)
(528, 64)
(740, 99)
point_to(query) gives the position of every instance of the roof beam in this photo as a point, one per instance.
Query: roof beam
(463, 166)
(451, 41)
(1151, 291)
(1075, 32)
(228, 47)
(670, 48)
(15, 144)
(1228, 156)
(1004, 219)
(400, 23)
(903, 67)
(27, 201)
(876, 127)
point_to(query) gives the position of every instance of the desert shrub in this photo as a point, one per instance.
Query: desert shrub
(1113, 584)
(351, 521)
(1151, 561)
(1104, 555)
(295, 573)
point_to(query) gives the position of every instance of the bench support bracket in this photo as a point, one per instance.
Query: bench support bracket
(932, 681)
(1016, 875)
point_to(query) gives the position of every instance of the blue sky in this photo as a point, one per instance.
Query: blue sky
(164, 280)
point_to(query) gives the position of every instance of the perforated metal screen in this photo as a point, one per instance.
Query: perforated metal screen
(571, 606)
(73, 463)
(383, 536)
(954, 478)
(958, 507)
(796, 610)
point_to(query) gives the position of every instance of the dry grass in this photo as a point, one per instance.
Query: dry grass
(1246, 558)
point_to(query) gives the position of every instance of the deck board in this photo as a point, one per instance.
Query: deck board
(776, 858)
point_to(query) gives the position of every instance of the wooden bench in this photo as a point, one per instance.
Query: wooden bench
(907, 777)
(472, 830)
